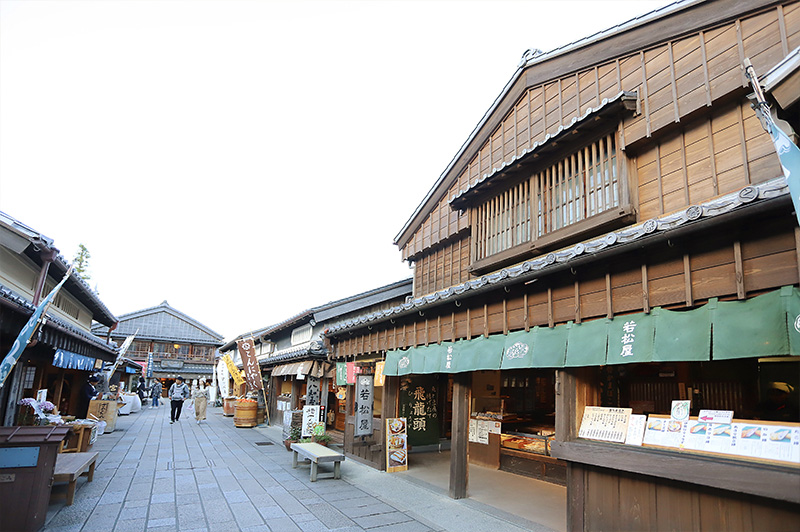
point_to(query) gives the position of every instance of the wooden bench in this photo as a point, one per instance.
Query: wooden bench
(72, 465)
(317, 454)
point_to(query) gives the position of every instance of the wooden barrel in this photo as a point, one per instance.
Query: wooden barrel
(245, 414)
(228, 406)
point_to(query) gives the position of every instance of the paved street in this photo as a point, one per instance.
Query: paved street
(152, 475)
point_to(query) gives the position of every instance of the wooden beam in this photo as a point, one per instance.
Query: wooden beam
(687, 280)
(782, 26)
(645, 291)
(486, 320)
(706, 81)
(459, 472)
(577, 302)
(609, 305)
(737, 259)
(673, 83)
(526, 313)
(645, 96)
(505, 316)
(550, 321)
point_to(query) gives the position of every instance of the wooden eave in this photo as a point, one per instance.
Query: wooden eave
(685, 19)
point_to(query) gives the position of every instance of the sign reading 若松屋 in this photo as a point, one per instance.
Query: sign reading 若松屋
(364, 405)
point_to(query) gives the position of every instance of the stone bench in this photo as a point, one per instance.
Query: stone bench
(317, 454)
(72, 465)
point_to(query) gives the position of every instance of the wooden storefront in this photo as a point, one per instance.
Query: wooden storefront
(621, 178)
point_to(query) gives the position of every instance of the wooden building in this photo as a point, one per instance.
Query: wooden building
(174, 343)
(615, 232)
(293, 357)
(64, 353)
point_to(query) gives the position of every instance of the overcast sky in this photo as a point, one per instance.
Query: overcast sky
(247, 160)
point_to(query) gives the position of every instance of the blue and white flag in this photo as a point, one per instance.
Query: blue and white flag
(27, 331)
(788, 152)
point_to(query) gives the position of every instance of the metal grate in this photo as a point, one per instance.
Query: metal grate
(262, 443)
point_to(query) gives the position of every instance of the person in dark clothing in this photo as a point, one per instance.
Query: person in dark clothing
(140, 389)
(88, 391)
(178, 393)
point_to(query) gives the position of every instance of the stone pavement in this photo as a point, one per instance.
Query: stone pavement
(154, 476)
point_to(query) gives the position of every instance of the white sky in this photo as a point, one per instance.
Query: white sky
(247, 160)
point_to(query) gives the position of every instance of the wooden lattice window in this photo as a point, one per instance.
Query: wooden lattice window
(577, 187)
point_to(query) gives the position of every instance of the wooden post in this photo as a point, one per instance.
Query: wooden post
(459, 474)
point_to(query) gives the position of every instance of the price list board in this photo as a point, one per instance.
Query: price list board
(605, 424)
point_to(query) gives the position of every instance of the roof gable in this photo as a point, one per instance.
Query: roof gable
(163, 322)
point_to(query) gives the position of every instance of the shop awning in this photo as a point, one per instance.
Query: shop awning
(315, 368)
(763, 326)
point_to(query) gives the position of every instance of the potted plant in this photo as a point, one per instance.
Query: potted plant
(322, 439)
(294, 436)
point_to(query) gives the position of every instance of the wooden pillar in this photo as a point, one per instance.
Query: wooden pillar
(459, 476)
(389, 407)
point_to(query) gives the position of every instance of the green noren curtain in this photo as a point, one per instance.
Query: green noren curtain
(518, 350)
(750, 329)
(630, 338)
(390, 365)
(478, 353)
(428, 359)
(586, 343)
(791, 298)
(550, 346)
(683, 335)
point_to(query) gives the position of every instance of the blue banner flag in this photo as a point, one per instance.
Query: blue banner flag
(27, 331)
(788, 152)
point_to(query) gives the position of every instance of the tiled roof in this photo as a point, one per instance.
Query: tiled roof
(531, 269)
(162, 322)
(11, 297)
(76, 285)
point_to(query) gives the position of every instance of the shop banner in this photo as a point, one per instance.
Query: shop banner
(341, 374)
(364, 405)
(312, 391)
(252, 371)
(351, 372)
(418, 404)
(223, 379)
(234, 371)
(396, 445)
(379, 376)
(149, 365)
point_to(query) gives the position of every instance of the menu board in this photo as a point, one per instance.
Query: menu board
(396, 445)
(636, 427)
(605, 424)
(310, 418)
(752, 439)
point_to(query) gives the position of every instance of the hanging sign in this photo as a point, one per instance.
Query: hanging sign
(396, 445)
(312, 391)
(351, 372)
(380, 378)
(341, 374)
(233, 370)
(363, 405)
(418, 403)
(149, 366)
(252, 371)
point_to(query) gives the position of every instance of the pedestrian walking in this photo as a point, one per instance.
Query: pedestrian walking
(178, 393)
(155, 393)
(140, 389)
(200, 397)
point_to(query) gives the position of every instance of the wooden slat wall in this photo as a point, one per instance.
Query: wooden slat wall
(758, 257)
(613, 500)
(674, 79)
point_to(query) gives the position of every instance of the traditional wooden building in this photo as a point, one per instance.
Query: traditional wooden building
(616, 232)
(65, 352)
(293, 355)
(172, 342)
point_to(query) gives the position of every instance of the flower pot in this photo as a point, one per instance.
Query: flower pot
(288, 444)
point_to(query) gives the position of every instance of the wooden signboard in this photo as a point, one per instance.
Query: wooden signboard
(396, 445)
(104, 411)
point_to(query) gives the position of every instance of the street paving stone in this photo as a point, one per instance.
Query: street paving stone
(155, 476)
